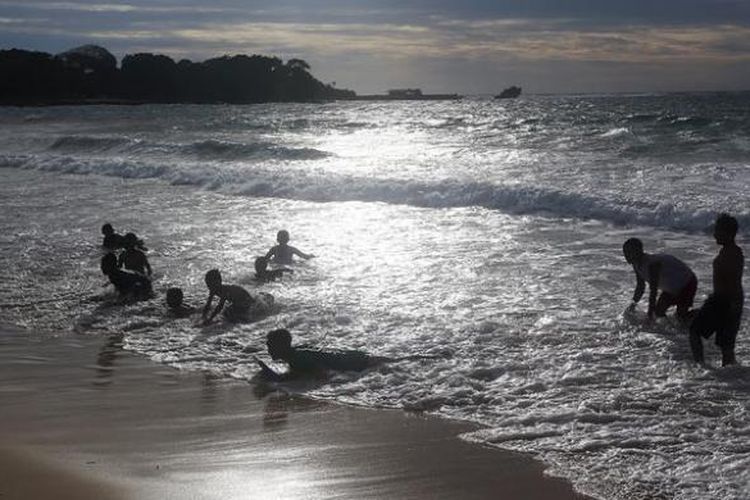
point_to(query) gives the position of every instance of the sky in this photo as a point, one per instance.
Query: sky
(463, 46)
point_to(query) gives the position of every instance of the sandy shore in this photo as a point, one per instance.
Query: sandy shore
(81, 418)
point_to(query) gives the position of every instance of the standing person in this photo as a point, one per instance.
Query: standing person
(722, 311)
(664, 272)
(283, 252)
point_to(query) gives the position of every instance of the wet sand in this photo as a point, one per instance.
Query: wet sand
(82, 418)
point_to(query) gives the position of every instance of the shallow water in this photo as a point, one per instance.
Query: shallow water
(483, 235)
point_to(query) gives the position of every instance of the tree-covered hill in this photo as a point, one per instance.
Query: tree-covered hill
(90, 74)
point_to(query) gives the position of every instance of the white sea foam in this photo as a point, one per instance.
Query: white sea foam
(616, 132)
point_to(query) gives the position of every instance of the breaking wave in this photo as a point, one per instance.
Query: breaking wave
(297, 185)
(211, 149)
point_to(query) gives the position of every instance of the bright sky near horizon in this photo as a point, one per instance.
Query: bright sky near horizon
(467, 46)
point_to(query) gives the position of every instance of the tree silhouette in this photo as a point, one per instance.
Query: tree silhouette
(90, 72)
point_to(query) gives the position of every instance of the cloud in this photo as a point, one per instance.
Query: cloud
(110, 8)
(519, 39)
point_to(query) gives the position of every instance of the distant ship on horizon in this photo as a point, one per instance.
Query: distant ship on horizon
(509, 93)
(414, 94)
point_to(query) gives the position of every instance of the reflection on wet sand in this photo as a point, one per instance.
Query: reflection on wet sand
(170, 434)
(105, 359)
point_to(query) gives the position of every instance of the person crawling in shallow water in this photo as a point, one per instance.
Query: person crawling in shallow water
(133, 257)
(240, 301)
(125, 283)
(175, 305)
(309, 362)
(265, 275)
(283, 253)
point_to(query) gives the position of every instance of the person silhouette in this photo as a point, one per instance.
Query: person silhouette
(240, 301)
(112, 240)
(305, 362)
(283, 253)
(133, 258)
(664, 272)
(722, 311)
(175, 305)
(125, 283)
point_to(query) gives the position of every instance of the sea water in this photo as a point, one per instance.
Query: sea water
(483, 235)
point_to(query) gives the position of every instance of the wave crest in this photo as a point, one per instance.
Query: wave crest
(510, 198)
(206, 150)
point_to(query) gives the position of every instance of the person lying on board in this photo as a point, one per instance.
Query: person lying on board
(664, 272)
(310, 363)
(313, 363)
(283, 253)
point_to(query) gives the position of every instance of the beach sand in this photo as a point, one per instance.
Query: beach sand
(82, 418)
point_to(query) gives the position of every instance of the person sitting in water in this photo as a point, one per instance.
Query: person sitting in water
(309, 362)
(722, 311)
(283, 252)
(240, 301)
(133, 257)
(265, 275)
(112, 240)
(125, 283)
(664, 272)
(176, 307)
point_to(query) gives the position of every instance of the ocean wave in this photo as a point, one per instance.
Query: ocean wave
(642, 117)
(685, 121)
(210, 149)
(669, 120)
(616, 132)
(509, 198)
(83, 143)
(214, 149)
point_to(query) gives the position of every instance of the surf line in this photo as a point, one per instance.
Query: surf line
(59, 298)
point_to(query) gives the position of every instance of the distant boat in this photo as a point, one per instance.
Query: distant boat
(402, 95)
(509, 93)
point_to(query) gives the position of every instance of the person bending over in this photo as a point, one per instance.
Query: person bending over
(722, 311)
(133, 257)
(283, 252)
(664, 272)
(125, 283)
(239, 299)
